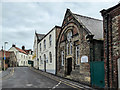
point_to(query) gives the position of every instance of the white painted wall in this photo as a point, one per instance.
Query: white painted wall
(50, 67)
(22, 59)
(35, 51)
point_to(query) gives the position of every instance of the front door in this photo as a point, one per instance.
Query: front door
(69, 66)
(119, 73)
(45, 66)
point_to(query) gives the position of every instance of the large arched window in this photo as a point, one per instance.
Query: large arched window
(69, 43)
(50, 56)
(69, 35)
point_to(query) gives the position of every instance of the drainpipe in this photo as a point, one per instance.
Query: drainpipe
(56, 59)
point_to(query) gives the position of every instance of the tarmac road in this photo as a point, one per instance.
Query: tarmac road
(23, 77)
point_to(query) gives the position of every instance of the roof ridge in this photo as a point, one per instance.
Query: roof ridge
(87, 17)
(21, 51)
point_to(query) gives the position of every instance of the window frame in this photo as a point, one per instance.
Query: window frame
(40, 47)
(44, 44)
(77, 54)
(50, 40)
(62, 58)
(50, 57)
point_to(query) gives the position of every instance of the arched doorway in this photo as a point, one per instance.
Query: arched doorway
(69, 66)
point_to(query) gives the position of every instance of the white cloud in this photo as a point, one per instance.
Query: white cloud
(21, 19)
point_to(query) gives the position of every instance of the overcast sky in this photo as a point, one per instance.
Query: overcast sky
(21, 19)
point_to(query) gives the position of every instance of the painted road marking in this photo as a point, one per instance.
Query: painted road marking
(29, 85)
(65, 82)
(56, 85)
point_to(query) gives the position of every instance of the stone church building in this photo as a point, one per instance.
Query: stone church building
(79, 43)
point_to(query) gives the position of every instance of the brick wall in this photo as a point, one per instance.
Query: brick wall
(111, 18)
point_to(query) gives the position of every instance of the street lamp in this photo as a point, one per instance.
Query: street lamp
(4, 53)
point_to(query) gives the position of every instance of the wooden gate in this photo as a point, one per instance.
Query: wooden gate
(97, 73)
(119, 73)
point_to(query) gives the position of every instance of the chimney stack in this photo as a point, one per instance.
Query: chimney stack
(13, 45)
(23, 47)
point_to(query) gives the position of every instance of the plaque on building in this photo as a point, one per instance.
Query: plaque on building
(84, 59)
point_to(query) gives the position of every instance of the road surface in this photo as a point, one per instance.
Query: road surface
(24, 77)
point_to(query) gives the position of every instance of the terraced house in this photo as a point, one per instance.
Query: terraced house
(22, 55)
(111, 21)
(47, 51)
(80, 49)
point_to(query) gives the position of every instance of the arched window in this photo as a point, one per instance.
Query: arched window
(69, 43)
(40, 47)
(69, 35)
(44, 44)
(62, 58)
(67, 48)
(70, 48)
(50, 40)
(77, 54)
(44, 57)
(50, 56)
(40, 60)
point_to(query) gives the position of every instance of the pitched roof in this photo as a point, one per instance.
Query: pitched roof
(95, 26)
(7, 53)
(40, 36)
(20, 50)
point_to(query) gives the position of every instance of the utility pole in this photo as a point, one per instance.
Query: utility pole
(2, 58)
(4, 54)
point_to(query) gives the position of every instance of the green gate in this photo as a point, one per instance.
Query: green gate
(97, 73)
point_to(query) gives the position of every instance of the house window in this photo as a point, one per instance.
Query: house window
(62, 57)
(44, 44)
(44, 57)
(24, 62)
(40, 47)
(50, 40)
(77, 54)
(41, 60)
(50, 55)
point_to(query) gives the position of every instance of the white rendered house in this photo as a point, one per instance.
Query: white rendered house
(47, 51)
(22, 55)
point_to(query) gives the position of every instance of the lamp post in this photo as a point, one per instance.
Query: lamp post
(4, 53)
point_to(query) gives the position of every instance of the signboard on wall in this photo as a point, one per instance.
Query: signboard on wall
(84, 59)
